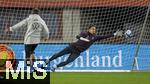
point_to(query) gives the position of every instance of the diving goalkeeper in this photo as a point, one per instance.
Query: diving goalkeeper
(85, 40)
(36, 26)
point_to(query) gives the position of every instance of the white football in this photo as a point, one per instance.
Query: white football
(128, 33)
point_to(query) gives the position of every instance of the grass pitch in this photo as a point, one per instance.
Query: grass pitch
(100, 78)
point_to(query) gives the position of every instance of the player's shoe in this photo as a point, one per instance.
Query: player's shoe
(44, 65)
(53, 69)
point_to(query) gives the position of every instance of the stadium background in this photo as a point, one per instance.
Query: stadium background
(66, 18)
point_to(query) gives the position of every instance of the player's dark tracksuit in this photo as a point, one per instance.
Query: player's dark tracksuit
(74, 49)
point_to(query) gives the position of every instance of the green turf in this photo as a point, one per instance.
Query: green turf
(100, 78)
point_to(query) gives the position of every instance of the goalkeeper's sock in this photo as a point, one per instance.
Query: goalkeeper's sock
(47, 61)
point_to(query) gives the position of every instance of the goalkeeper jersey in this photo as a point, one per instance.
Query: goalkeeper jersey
(35, 27)
(83, 45)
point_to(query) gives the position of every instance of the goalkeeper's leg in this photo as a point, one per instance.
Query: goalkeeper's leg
(70, 59)
(59, 54)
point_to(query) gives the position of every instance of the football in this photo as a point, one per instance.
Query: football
(128, 33)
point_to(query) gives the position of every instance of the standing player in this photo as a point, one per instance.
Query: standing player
(85, 40)
(36, 26)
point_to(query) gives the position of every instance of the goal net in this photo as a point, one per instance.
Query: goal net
(67, 18)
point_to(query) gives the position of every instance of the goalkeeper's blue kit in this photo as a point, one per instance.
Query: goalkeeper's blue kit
(74, 49)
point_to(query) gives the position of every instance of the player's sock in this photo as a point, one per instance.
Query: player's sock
(32, 59)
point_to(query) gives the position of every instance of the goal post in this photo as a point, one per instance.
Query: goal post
(135, 62)
(67, 18)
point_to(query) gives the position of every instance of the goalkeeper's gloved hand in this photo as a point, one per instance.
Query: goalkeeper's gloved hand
(118, 33)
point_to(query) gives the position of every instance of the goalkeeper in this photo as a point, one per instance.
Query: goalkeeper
(85, 40)
(35, 27)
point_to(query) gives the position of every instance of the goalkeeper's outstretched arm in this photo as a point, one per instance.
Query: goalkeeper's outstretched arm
(118, 33)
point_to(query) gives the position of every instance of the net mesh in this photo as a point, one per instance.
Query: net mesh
(67, 18)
